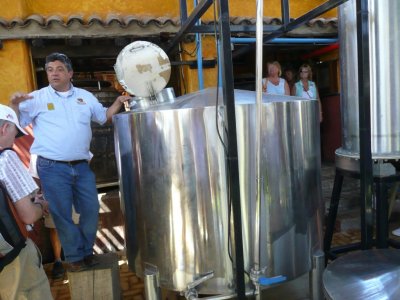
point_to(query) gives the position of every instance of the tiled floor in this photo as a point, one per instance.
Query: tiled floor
(348, 224)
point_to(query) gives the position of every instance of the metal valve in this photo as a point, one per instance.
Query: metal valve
(191, 292)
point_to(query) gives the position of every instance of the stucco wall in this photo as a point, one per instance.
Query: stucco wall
(16, 69)
(104, 7)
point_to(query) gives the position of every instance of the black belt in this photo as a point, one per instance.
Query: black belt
(71, 163)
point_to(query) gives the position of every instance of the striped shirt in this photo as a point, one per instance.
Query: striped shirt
(14, 177)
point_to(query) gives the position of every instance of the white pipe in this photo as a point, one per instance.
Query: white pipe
(237, 40)
(199, 45)
(259, 68)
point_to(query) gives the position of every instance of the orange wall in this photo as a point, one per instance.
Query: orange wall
(16, 71)
(102, 8)
(209, 74)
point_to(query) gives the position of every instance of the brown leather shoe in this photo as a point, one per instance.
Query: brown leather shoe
(77, 266)
(91, 260)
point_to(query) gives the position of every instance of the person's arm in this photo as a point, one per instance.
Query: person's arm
(287, 90)
(16, 99)
(293, 92)
(22, 189)
(264, 85)
(321, 116)
(28, 211)
(116, 106)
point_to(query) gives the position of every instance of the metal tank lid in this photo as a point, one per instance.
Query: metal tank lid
(367, 274)
(208, 97)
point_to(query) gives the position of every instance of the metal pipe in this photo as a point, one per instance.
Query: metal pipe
(366, 176)
(224, 297)
(199, 56)
(219, 64)
(315, 276)
(285, 12)
(259, 67)
(232, 156)
(287, 40)
(183, 10)
(151, 283)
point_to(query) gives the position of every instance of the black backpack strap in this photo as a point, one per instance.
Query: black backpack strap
(9, 229)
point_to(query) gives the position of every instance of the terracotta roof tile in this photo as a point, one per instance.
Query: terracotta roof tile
(115, 24)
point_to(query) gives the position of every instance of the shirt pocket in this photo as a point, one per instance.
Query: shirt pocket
(82, 114)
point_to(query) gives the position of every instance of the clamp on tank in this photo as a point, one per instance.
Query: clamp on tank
(191, 292)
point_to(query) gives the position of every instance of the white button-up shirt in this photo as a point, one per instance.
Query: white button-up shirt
(61, 122)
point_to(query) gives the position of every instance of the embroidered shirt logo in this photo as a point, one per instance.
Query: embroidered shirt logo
(50, 106)
(80, 101)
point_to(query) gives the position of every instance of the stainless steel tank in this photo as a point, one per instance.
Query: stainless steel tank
(173, 180)
(384, 30)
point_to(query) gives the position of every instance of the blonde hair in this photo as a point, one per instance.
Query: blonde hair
(276, 64)
(306, 66)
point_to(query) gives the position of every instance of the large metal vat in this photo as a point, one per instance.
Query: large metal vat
(173, 180)
(384, 30)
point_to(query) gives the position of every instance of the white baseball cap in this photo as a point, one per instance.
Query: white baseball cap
(8, 114)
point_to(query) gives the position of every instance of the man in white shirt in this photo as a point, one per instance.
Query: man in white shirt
(61, 115)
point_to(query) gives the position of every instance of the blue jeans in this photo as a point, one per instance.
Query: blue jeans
(65, 185)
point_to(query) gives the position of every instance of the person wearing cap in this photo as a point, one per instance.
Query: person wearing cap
(61, 115)
(21, 271)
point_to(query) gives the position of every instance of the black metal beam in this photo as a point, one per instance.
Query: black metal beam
(366, 175)
(232, 155)
(183, 10)
(207, 63)
(285, 12)
(234, 28)
(200, 9)
(323, 8)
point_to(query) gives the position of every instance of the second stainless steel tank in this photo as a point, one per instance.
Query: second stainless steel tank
(384, 31)
(173, 179)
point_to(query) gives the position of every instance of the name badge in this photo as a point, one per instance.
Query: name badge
(80, 101)
(50, 106)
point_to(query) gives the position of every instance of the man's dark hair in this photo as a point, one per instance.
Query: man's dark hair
(60, 57)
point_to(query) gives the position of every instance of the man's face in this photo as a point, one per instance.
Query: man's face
(58, 75)
(8, 132)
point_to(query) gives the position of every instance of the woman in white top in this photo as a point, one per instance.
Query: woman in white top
(306, 88)
(273, 84)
